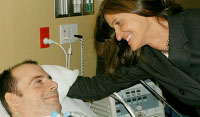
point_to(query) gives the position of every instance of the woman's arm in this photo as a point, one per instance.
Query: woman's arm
(101, 86)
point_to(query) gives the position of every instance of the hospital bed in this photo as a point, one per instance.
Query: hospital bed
(65, 78)
(107, 107)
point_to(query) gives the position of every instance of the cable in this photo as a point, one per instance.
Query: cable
(49, 41)
(69, 55)
(82, 59)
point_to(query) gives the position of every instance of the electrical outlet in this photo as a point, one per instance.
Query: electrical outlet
(44, 33)
(67, 33)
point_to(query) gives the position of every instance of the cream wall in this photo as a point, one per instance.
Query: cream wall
(20, 24)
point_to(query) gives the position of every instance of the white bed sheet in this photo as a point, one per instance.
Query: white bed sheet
(77, 105)
(69, 104)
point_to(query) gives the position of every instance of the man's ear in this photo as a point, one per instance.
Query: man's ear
(12, 101)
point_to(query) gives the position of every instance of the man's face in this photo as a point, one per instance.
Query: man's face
(39, 92)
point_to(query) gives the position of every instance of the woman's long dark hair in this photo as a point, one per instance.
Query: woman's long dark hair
(118, 52)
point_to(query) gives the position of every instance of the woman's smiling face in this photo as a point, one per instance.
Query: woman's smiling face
(130, 27)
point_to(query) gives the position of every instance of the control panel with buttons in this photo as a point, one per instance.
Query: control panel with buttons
(141, 101)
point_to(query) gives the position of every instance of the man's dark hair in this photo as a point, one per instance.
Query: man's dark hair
(9, 84)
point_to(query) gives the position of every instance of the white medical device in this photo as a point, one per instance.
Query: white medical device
(141, 100)
(137, 97)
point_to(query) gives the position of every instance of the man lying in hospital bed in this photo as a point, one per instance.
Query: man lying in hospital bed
(33, 92)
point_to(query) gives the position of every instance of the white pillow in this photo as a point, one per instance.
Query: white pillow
(64, 77)
(3, 112)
